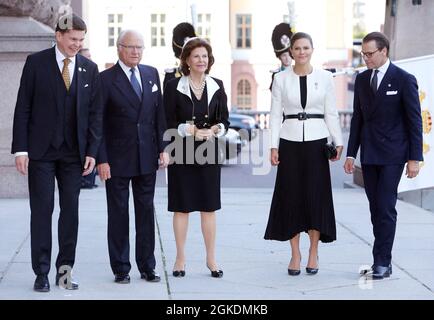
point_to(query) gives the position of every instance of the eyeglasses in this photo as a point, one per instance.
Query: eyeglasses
(368, 54)
(131, 48)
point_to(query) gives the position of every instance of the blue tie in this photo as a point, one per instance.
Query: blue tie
(135, 84)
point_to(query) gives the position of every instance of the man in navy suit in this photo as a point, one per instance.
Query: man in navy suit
(387, 125)
(56, 134)
(132, 146)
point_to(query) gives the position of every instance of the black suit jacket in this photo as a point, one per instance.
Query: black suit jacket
(388, 125)
(133, 129)
(38, 104)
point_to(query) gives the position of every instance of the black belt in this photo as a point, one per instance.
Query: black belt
(304, 116)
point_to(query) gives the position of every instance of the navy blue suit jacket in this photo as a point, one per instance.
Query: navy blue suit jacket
(388, 125)
(38, 104)
(133, 129)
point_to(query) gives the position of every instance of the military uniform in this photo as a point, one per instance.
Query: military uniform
(281, 40)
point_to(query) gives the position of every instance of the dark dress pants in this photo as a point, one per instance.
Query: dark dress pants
(381, 187)
(117, 189)
(65, 166)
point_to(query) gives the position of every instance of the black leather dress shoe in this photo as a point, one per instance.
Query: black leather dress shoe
(381, 272)
(68, 284)
(150, 276)
(122, 278)
(41, 284)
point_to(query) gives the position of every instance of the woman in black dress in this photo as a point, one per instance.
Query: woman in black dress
(196, 110)
(302, 199)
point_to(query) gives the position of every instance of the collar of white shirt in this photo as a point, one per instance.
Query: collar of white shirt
(60, 57)
(127, 71)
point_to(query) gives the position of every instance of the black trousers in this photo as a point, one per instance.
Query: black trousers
(65, 166)
(381, 187)
(117, 189)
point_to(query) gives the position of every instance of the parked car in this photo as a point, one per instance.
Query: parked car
(230, 145)
(243, 121)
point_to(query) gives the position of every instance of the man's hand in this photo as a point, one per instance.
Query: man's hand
(412, 169)
(349, 165)
(104, 171)
(22, 164)
(89, 164)
(274, 157)
(339, 153)
(164, 160)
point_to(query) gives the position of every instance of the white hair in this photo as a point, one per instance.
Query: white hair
(126, 32)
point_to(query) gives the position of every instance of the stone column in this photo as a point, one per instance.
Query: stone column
(19, 37)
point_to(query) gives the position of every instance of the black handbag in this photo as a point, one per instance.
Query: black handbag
(330, 150)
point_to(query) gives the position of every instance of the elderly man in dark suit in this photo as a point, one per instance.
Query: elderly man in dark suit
(387, 125)
(56, 134)
(132, 146)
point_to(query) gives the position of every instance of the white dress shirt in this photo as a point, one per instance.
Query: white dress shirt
(285, 98)
(127, 71)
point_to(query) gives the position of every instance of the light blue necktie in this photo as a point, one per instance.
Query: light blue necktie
(135, 84)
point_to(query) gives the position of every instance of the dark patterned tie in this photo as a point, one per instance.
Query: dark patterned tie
(374, 82)
(135, 83)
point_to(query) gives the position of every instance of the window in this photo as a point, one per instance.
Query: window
(204, 26)
(158, 30)
(244, 94)
(244, 30)
(114, 22)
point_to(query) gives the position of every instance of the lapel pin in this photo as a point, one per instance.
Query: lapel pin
(150, 82)
(316, 85)
(389, 85)
(86, 85)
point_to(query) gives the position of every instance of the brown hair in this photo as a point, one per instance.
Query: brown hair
(380, 39)
(301, 35)
(189, 47)
(71, 22)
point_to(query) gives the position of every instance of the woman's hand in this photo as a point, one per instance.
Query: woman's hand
(204, 134)
(274, 157)
(339, 150)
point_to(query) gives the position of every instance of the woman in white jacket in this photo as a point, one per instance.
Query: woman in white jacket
(302, 199)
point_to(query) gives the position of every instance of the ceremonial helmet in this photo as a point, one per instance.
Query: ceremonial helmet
(181, 33)
(281, 38)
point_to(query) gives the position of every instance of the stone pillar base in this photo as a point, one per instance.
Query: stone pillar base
(19, 37)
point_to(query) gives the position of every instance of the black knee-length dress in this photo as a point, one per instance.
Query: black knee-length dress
(194, 186)
(302, 198)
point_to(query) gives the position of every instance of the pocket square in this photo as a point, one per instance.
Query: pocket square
(86, 85)
(391, 93)
(154, 88)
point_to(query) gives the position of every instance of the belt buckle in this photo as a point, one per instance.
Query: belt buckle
(302, 116)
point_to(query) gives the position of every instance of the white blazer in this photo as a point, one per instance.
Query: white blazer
(285, 98)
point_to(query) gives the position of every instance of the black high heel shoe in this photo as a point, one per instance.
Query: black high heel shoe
(294, 272)
(179, 273)
(313, 271)
(216, 273)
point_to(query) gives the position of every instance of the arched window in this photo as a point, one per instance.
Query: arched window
(244, 94)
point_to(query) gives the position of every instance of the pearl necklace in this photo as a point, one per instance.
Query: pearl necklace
(194, 87)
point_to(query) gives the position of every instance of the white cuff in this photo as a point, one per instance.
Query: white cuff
(183, 130)
(21, 153)
(351, 158)
(222, 130)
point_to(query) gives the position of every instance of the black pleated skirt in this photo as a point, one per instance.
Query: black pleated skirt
(302, 198)
(194, 188)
